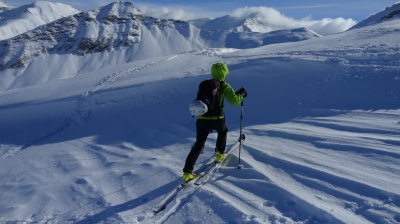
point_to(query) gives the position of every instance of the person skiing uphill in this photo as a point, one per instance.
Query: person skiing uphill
(212, 118)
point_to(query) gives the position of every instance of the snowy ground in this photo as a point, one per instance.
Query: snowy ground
(322, 123)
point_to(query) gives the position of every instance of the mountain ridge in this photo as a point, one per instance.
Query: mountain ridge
(389, 13)
(113, 34)
(86, 32)
(16, 21)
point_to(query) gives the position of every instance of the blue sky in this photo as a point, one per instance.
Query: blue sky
(297, 9)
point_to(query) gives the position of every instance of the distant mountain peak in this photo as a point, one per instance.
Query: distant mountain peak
(253, 22)
(19, 20)
(120, 9)
(256, 23)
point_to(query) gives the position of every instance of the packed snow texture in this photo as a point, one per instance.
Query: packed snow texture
(322, 121)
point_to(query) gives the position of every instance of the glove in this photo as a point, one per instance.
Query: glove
(242, 91)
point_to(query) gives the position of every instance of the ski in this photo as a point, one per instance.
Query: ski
(206, 175)
(161, 206)
(203, 176)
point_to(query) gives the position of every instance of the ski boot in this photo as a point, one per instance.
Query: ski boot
(188, 176)
(219, 157)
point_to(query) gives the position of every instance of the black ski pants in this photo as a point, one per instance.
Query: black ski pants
(203, 128)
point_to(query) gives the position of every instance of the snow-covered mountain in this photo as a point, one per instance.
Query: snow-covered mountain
(247, 31)
(243, 40)
(253, 23)
(389, 13)
(118, 33)
(16, 21)
(321, 120)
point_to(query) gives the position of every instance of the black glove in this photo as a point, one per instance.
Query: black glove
(242, 91)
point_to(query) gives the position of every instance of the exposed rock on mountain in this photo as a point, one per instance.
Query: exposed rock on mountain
(113, 26)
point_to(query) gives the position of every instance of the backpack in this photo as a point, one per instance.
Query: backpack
(209, 93)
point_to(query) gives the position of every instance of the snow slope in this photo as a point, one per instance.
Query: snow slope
(322, 122)
(16, 21)
(389, 13)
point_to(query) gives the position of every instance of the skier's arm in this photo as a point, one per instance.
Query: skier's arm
(231, 96)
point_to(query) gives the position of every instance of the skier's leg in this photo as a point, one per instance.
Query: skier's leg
(222, 135)
(202, 129)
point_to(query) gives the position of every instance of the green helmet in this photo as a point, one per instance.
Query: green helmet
(219, 71)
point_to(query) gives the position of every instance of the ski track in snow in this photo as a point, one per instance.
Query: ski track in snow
(85, 104)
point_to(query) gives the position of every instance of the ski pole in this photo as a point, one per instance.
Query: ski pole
(240, 166)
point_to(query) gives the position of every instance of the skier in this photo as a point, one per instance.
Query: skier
(213, 119)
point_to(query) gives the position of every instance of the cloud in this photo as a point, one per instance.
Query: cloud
(275, 18)
(329, 26)
(178, 12)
